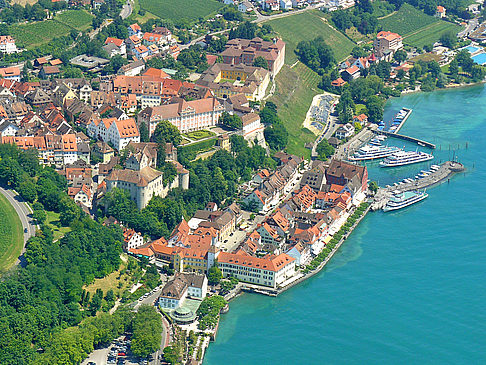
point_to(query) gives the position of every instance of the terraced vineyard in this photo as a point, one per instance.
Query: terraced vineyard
(181, 9)
(309, 25)
(295, 88)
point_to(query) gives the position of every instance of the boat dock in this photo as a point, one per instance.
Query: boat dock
(447, 169)
(407, 138)
(409, 112)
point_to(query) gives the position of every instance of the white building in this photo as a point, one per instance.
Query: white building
(183, 286)
(7, 44)
(132, 239)
(141, 185)
(7, 129)
(269, 271)
(345, 131)
(185, 115)
(117, 132)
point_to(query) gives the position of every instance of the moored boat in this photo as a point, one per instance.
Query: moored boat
(372, 152)
(401, 200)
(401, 158)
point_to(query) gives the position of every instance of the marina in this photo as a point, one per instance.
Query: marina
(436, 176)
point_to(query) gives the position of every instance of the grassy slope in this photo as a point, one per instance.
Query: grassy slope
(295, 88)
(11, 235)
(306, 26)
(35, 34)
(181, 9)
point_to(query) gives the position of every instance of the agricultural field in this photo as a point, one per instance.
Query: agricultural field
(430, 34)
(417, 28)
(77, 19)
(407, 20)
(32, 35)
(11, 235)
(309, 25)
(181, 9)
(295, 88)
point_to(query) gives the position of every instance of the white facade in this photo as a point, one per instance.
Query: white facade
(7, 45)
(259, 272)
(9, 129)
(117, 132)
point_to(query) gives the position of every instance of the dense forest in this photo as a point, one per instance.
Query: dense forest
(41, 299)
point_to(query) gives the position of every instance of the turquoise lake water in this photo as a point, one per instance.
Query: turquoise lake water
(406, 287)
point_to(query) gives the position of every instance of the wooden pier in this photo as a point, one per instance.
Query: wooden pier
(447, 169)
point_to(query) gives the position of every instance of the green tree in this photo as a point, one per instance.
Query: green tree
(214, 275)
(373, 186)
(454, 68)
(144, 132)
(324, 150)
(232, 121)
(260, 62)
(400, 56)
(448, 39)
(167, 132)
(147, 331)
(276, 136)
(374, 105)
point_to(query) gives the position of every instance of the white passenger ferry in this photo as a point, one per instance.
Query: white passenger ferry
(401, 200)
(401, 158)
(370, 152)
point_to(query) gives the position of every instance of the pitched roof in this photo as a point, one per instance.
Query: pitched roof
(270, 263)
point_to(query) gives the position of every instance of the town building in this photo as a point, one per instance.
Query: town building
(440, 12)
(227, 80)
(182, 286)
(132, 239)
(345, 131)
(268, 271)
(10, 73)
(119, 133)
(7, 45)
(386, 44)
(245, 51)
(185, 115)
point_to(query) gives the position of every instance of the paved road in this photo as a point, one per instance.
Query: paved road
(126, 10)
(23, 210)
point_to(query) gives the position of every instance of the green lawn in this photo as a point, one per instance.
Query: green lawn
(32, 35)
(431, 34)
(53, 222)
(295, 88)
(181, 9)
(308, 25)
(11, 235)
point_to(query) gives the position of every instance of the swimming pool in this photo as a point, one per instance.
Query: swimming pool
(480, 58)
(472, 49)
